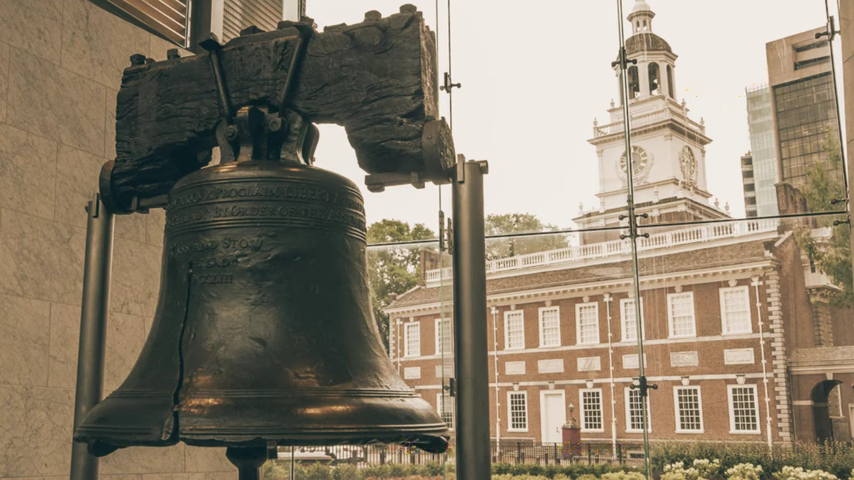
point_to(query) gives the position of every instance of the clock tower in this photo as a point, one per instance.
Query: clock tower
(668, 147)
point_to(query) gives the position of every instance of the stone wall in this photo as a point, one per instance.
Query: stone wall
(846, 27)
(61, 64)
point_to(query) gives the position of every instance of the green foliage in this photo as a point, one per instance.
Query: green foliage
(576, 471)
(519, 223)
(744, 471)
(798, 473)
(833, 457)
(833, 257)
(392, 270)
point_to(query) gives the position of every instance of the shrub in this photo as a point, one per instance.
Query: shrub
(793, 473)
(744, 471)
(623, 476)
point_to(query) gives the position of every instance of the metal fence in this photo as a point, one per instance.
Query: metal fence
(516, 452)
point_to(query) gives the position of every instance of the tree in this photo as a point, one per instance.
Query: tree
(519, 223)
(395, 269)
(823, 190)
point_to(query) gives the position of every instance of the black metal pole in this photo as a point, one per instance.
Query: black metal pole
(470, 346)
(93, 323)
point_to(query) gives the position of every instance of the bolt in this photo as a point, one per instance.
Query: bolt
(137, 59)
(373, 16)
(274, 124)
(231, 133)
(172, 54)
(409, 9)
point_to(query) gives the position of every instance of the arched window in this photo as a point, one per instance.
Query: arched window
(654, 79)
(670, 86)
(644, 25)
(634, 83)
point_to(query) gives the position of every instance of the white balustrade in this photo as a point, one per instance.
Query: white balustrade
(697, 234)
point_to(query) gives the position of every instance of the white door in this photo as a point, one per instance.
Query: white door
(552, 415)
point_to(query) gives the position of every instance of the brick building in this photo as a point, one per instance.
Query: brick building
(739, 337)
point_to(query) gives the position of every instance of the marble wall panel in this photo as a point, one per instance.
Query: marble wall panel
(135, 278)
(55, 103)
(4, 79)
(34, 26)
(41, 259)
(159, 46)
(135, 476)
(214, 476)
(35, 428)
(24, 343)
(76, 180)
(145, 460)
(110, 125)
(207, 459)
(67, 254)
(64, 342)
(98, 44)
(155, 225)
(166, 476)
(125, 336)
(27, 172)
(131, 227)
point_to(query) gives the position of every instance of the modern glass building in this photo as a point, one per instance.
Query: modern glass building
(763, 154)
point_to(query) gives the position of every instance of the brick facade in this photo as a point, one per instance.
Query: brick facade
(768, 275)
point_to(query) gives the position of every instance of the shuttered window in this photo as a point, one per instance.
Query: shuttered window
(166, 17)
(239, 14)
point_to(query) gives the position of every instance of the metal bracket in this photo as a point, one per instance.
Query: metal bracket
(448, 85)
(622, 61)
(830, 31)
(450, 236)
(643, 386)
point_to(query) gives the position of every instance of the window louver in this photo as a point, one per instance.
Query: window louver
(167, 17)
(239, 14)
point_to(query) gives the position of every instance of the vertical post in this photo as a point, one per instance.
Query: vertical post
(93, 323)
(470, 348)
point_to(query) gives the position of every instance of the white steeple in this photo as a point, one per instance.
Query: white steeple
(641, 17)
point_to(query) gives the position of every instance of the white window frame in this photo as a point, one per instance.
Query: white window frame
(746, 292)
(510, 394)
(439, 404)
(584, 411)
(406, 327)
(578, 308)
(623, 330)
(507, 314)
(629, 428)
(540, 323)
(676, 408)
(730, 389)
(438, 328)
(670, 297)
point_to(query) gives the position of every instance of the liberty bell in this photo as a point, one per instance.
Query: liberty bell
(264, 330)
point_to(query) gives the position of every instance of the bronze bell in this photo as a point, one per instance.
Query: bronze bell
(264, 330)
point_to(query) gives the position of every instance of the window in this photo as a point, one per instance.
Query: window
(587, 322)
(517, 411)
(412, 339)
(514, 330)
(689, 409)
(591, 410)
(550, 327)
(445, 408)
(629, 326)
(444, 335)
(735, 310)
(743, 412)
(634, 421)
(168, 18)
(680, 312)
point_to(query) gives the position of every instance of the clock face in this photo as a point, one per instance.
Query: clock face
(641, 162)
(688, 165)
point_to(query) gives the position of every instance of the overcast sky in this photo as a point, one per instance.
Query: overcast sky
(535, 76)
